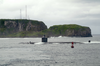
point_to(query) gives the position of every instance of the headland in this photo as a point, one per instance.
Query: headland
(35, 28)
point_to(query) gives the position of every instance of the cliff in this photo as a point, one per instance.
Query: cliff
(34, 28)
(11, 26)
(71, 30)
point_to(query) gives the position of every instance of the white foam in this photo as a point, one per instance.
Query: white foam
(59, 36)
(39, 43)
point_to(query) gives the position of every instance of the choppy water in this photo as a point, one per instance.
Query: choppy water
(14, 54)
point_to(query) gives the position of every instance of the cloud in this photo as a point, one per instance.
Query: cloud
(82, 12)
(90, 1)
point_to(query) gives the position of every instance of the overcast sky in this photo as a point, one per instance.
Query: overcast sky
(54, 12)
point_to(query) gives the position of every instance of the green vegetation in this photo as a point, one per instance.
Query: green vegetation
(2, 29)
(60, 29)
(18, 20)
(9, 30)
(27, 34)
(22, 21)
(56, 30)
(64, 27)
(2, 23)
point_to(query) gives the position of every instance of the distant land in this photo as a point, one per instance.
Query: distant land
(35, 28)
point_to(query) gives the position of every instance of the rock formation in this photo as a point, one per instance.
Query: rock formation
(25, 26)
(34, 28)
(71, 30)
(9, 26)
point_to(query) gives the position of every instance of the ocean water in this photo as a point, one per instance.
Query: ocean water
(13, 53)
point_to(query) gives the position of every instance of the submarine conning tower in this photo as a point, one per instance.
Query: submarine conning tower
(44, 39)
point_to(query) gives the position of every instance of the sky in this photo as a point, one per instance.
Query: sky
(54, 12)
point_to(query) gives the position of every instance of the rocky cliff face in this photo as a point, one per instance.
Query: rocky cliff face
(21, 26)
(13, 26)
(70, 30)
(34, 28)
(82, 32)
